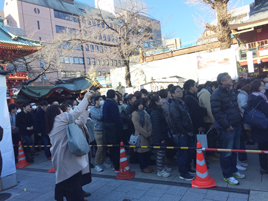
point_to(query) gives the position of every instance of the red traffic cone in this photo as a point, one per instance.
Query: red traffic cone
(21, 160)
(51, 170)
(125, 172)
(202, 179)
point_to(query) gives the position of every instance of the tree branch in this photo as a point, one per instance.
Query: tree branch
(212, 4)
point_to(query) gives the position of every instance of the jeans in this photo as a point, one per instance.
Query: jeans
(29, 142)
(185, 156)
(242, 156)
(46, 142)
(263, 157)
(144, 159)
(229, 140)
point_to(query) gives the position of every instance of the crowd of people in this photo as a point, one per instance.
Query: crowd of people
(169, 117)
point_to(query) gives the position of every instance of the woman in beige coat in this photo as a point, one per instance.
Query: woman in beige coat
(68, 167)
(142, 127)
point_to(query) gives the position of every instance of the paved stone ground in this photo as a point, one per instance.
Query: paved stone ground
(39, 186)
(36, 184)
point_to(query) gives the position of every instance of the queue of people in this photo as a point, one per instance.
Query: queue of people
(169, 117)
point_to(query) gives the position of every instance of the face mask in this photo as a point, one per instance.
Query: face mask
(266, 86)
(34, 107)
(75, 106)
(88, 110)
(18, 111)
(101, 103)
(262, 91)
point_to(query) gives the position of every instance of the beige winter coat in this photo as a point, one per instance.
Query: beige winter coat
(204, 101)
(143, 131)
(64, 162)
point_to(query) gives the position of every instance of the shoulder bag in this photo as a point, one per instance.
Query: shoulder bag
(76, 140)
(255, 118)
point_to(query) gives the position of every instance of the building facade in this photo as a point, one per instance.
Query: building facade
(45, 19)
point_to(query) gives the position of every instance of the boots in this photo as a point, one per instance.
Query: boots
(29, 158)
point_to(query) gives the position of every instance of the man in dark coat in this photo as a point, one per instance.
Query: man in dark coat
(228, 124)
(192, 103)
(113, 126)
(25, 123)
(182, 133)
(40, 127)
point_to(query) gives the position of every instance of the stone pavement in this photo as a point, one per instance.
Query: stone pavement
(38, 183)
(39, 186)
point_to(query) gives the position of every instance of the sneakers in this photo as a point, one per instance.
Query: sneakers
(98, 168)
(163, 173)
(187, 177)
(242, 163)
(167, 169)
(107, 165)
(231, 180)
(192, 172)
(239, 167)
(116, 171)
(238, 175)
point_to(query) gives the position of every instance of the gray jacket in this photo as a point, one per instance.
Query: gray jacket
(97, 117)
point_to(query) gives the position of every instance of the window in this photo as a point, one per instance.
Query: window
(98, 62)
(66, 60)
(36, 10)
(103, 73)
(78, 47)
(119, 62)
(108, 38)
(105, 49)
(102, 62)
(93, 22)
(93, 61)
(115, 63)
(111, 62)
(71, 60)
(38, 25)
(65, 16)
(92, 48)
(40, 38)
(81, 60)
(89, 22)
(87, 47)
(96, 48)
(76, 60)
(60, 29)
(88, 61)
(95, 37)
(100, 37)
(104, 37)
(98, 23)
(61, 59)
(107, 62)
(112, 39)
(99, 73)
(101, 49)
(103, 25)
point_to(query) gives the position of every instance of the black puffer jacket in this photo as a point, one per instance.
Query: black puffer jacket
(224, 108)
(180, 118)
(159, 126)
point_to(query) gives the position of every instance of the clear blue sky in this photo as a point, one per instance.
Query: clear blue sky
(177, 18)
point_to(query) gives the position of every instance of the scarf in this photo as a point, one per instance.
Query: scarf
(141, 117)
(260, 94)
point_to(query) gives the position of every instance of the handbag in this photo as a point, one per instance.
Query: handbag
(135, 140)
(76, 140)
(255, 118)
(202, 138)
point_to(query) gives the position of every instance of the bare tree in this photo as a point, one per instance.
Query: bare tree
(45, 61)
(121, 34)
(221, 29)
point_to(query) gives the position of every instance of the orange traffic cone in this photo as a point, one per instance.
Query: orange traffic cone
(21, 160)
(51, 170)
(125, 172)
(202, 179)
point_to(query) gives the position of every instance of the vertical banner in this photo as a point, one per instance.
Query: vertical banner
(250, 62)
(6, 146)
